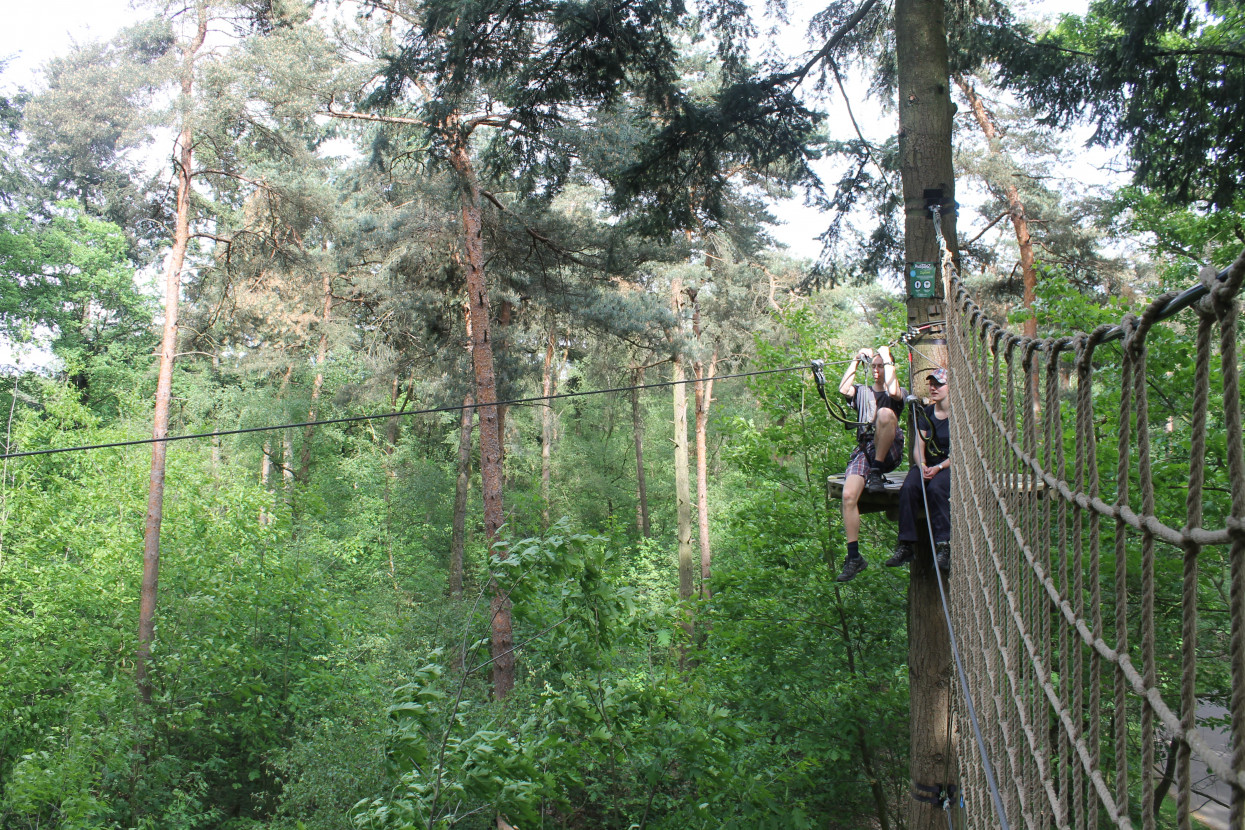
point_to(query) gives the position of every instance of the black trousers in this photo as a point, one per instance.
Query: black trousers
(912, 506)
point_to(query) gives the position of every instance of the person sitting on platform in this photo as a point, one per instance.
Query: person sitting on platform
(933, 444)
(879, 443)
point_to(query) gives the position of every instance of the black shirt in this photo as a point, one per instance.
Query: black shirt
(937, 434)
(883, 401)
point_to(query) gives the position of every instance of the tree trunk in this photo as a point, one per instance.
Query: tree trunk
(265, 472)
(265, 465)
(164, 384)
(925, 166)
(459, 535)
(548, 388)
(682, 486)
(703, 397)
(637, 429)
(287, 464)
(287, 441)
(1020, 224)
(1015, 205)
(322, 354)
(505, 314)
(491, 474)
(393, 428)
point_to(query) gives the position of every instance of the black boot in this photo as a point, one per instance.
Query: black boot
(852, 566)
(904, 553)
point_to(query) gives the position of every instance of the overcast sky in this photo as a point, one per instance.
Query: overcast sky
(33, 32)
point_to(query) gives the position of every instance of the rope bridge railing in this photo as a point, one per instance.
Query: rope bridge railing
(1093, 626)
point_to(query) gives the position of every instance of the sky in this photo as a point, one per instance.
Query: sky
(34, 32)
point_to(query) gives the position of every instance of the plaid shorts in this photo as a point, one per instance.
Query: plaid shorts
(858, 463)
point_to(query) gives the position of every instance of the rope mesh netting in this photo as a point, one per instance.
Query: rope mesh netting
(1092, 629)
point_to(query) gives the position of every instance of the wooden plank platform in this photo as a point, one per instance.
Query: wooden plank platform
(887, 502)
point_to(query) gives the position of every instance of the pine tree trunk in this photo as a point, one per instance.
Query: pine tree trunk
(491, 472)
(265, 465)
(287, 465)
(548, 388)
(164, 384)
(287, 441)
(682, 487)
(704, 397)
(458, 537)
(1015, 205)
(322, 354)
(925, 168)
(637, 429)
(703, 393)
(265, 472)
(393, 428)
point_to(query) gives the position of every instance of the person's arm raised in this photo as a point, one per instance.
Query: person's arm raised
(847, 386)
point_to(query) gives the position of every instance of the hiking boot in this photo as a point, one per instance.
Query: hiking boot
(904, 553)
(852, 566)
(942, 555)
(875, 482)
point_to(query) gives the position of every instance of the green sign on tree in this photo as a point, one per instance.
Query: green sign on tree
(921, 278)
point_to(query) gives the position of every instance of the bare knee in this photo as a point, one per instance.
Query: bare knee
(851, 494)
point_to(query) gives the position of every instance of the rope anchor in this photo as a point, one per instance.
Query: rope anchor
(941, 796)
(836, 412)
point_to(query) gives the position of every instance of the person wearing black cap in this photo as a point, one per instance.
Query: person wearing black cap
(879, 443)
(933, 447)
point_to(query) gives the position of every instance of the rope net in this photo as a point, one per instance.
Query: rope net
(1099, 564)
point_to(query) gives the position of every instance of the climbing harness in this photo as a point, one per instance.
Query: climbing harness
(837, 411)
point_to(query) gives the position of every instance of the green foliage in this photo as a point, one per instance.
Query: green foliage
(240, 625)
(1167, 78)
(803, 659)
(446, 770)
(309, 670)
(68, 279)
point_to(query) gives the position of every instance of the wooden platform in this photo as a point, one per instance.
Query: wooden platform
(887, 502)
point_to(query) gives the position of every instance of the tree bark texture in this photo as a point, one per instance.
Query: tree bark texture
(682, 483)
(929, 678)
(164, 384)
(925, 113)
(637, 429)
(491, 473)
(458, 537)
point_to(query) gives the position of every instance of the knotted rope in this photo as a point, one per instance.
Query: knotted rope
(1088, 666)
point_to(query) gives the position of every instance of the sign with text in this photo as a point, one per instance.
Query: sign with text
(922, 278)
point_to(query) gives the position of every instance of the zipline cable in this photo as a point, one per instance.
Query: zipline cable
(357, 418)
(987, 767)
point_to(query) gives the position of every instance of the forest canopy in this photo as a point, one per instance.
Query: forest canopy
(510, 505)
